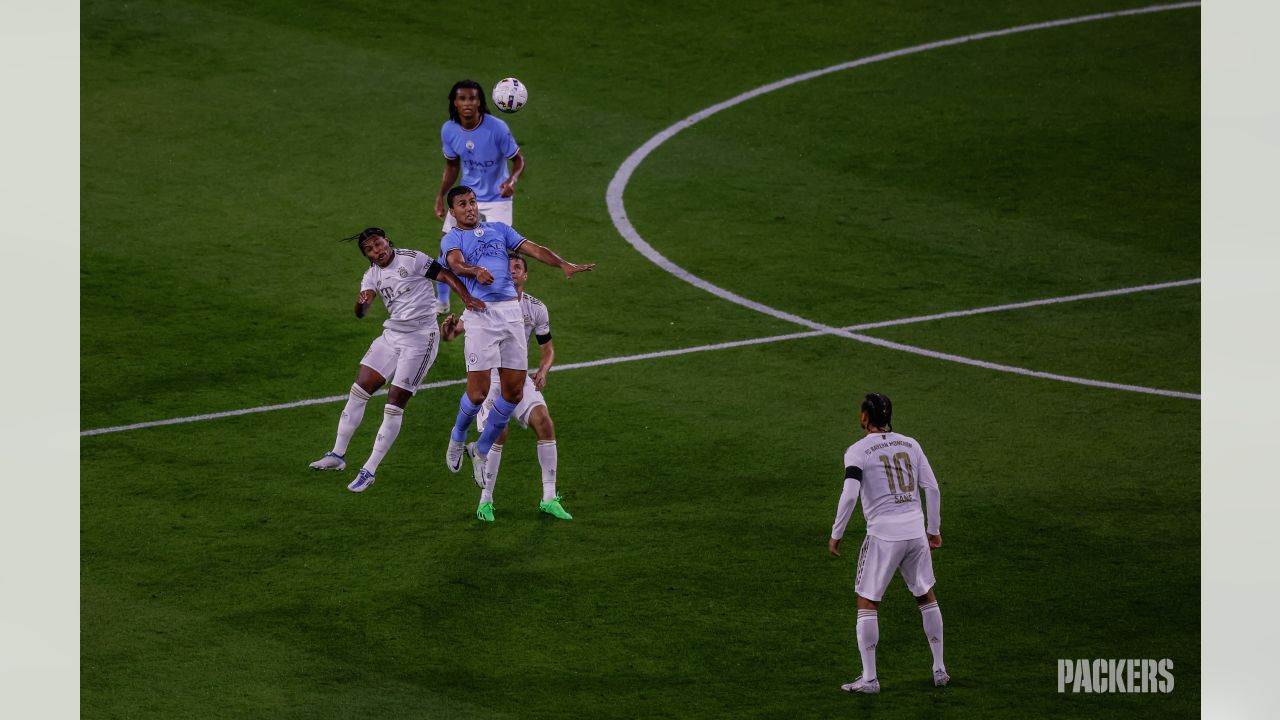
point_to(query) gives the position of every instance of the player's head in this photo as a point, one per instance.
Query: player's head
(374, 245)
(466, 97)
(462, 204)
(876, 411)
(519, 269)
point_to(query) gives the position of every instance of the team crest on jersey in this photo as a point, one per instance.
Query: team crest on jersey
(404, 273)
(471, 145)
(479, 232)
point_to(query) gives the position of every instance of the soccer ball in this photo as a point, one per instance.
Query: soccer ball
(510, 95)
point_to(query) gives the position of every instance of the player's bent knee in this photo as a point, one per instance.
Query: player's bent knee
(398, 396)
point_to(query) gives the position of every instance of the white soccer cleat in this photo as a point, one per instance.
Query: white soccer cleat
(453, 456)
(330, 461)
(868, 687)
(362, 481)
(477, 465)
(940, 678)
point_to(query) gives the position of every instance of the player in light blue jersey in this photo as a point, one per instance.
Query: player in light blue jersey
(477, 253)
(477, 146)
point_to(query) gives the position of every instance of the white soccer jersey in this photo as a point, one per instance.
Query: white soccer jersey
(404, 288)
(537, 321)
(893, 474)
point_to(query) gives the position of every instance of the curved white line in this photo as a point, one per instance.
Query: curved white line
(618, 212)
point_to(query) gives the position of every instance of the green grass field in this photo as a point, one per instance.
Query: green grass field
(227, 145)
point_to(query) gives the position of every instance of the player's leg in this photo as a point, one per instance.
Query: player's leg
(489, 468)
(512, 384)
(480, 350)
(548, 459)
(917, 570)
(417, 353)
(377, 363)
(877, 563)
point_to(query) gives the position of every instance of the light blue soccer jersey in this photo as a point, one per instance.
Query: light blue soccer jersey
(485, 245)
(483, 154)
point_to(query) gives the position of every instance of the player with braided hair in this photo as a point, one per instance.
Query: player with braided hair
(405, 350)
(887, 470)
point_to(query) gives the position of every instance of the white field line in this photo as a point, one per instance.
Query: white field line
(618, 212)
(736, 344)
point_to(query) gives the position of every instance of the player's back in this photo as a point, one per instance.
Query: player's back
(892, 468)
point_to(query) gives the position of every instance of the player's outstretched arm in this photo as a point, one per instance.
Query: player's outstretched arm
(362, 303)
(547, 257)
(458, 264)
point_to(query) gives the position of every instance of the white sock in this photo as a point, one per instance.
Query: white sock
(932, 617)
(392, 416)
(868, 636)
(548, 458)
(491, 463)
(352, 414)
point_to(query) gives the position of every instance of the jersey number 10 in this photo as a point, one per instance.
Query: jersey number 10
(907, 480)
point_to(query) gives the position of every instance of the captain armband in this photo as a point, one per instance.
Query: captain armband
(433, 272)
(543, 339)
(853, 472)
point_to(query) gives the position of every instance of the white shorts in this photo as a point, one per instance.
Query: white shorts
(531, 399)
(495, 337)
(489, 212)
(404, 356)
(879, 559)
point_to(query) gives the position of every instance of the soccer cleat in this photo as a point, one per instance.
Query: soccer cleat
(554, 508)
(940, 678)
(362, 481)
(477, 465)
(868, 687)
(453, 456)
(484, 511)
(330, 461)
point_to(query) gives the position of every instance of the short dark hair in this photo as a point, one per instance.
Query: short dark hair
(518, 256)
(879, 410)
(453, 95)
(454, 192)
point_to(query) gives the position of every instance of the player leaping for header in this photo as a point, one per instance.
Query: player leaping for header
(477, 252)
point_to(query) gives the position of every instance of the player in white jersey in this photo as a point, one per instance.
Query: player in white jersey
(530, 412)
(403, 353)
(891, 475)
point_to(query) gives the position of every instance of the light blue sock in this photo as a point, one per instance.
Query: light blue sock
(497, 422)
(466, 414)
(442, 292)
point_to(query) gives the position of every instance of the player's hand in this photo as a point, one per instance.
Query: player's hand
(484, 277)
(571, 269)
(472, 303)
(449, 328)
(539, 381)
(366, 297)
(833, 547)
(508, 187)
(935, 541)
(439, 207)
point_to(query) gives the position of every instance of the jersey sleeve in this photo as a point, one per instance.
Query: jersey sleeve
(366, 282)
(444, 141)
(931, 495)
(848, 496)
(508, 145)
(512, 238)
(541, 320)
(452, 240)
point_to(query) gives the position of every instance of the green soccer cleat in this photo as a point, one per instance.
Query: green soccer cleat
(484, 512)
(554, 508)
